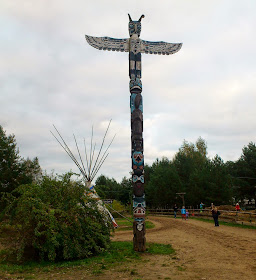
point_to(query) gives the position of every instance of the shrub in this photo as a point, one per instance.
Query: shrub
(56, 220)
(119, 207)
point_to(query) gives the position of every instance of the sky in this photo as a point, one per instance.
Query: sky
(50, 75)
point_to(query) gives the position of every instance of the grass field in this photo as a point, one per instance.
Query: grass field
(223, 223)
(119, 252)
(124, 224)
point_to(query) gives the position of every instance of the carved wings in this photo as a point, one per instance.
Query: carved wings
(109, 44)
(160, 47)
(122, 45)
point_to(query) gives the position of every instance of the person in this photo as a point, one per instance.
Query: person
(238, 207)
(183, 213)
(215, 215)
(187, 214)
(175, 210)
(201, 207)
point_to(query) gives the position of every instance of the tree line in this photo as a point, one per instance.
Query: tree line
(203, 179)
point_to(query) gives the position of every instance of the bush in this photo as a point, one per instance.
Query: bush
(119, 207)
(56, 220)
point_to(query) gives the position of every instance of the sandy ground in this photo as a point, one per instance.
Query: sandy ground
(203, 252)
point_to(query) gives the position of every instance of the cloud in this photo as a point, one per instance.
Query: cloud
(50, 75)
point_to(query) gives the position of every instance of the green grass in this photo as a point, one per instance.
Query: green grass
(119, 252)
(160, 249)
(126, 225)
(223, 223)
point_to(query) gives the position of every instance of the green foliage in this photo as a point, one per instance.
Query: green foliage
(244, 173)
(124, 224)
(205, 179)
(14, 170)
(192, 172)
(118, 252)
(55, 220)
(163, 184)
(9, 162)
(109, 189)
(118, 206)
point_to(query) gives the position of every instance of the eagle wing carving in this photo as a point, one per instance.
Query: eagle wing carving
(160, 47)
(108, 44)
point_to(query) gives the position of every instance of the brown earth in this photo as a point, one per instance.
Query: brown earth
(203, 252)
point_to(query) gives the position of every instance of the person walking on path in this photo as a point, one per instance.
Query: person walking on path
(187, 214)
(215, 215)
(238, 207)
(175, 210)
(183, 213)
(201, 207)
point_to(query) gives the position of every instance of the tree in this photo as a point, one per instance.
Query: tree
(9, 162)
(31, 171)
(191, 164)
(55, 220)
(219, 188)
(244, 171)
(14, 170)
(163, 184)
(110, 189)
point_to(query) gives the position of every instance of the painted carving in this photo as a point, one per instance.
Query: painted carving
(136, 102)
(138, 189)
(139, 240)
(139, 212)
(135, 85)
(135, 46)
(137, 145)
(137, 159)
(136, 178)
(139, 201)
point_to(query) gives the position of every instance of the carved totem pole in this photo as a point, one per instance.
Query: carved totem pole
(135, 46)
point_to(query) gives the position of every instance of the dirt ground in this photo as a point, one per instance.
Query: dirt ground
(203, 252)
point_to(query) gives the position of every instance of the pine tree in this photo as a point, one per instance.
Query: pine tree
(9, 162)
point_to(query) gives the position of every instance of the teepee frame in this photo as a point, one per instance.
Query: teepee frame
(92, 167)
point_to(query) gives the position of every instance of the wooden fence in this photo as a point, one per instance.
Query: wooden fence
(241, 217)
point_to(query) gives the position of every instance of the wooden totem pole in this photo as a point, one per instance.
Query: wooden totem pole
(135, 46)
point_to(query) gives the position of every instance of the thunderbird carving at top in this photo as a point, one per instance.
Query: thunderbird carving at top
(135, 46)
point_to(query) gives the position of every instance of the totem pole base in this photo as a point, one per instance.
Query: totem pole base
(139, 239)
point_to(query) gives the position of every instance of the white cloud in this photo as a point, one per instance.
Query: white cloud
(49, 74)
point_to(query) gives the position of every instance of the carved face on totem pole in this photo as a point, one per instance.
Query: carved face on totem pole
(136, 102)
(138, 186)
(137, 144)
(136, 116)
(137, 162)
(135, 26)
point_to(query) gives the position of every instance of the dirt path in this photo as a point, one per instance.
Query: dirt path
(203, 251)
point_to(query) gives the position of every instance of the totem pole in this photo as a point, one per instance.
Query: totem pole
(135, 46)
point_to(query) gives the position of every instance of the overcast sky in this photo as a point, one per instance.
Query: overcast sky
(50, 75)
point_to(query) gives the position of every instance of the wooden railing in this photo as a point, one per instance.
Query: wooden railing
(241, 217)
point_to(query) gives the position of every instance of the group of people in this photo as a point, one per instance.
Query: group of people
(185, 214)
